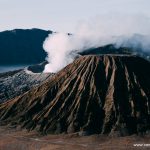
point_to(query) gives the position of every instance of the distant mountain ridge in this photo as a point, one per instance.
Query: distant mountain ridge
(22, 46)
(112, 49)
(25, 46)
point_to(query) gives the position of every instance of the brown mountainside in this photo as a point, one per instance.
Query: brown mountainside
(94, 94)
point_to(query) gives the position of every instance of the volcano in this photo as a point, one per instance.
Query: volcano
(95, 94)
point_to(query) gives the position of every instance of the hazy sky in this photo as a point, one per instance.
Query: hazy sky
(62, 15)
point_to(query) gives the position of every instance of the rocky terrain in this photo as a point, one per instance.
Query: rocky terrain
(17, 82)
(107, 94)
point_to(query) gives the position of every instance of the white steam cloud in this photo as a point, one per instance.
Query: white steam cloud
(121, 30)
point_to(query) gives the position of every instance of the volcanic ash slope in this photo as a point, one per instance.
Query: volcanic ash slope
(95, 94)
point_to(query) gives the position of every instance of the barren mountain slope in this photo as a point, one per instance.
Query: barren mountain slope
(94, 94)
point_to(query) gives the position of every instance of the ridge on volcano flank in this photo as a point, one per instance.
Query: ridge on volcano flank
(94, 94)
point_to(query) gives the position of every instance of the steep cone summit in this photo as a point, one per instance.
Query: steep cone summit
(94, 94)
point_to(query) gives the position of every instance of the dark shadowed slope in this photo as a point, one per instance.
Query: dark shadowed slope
(22, 46)
(94, 94)
(112, 49)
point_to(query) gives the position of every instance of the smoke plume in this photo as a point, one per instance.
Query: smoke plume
(120, 30)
